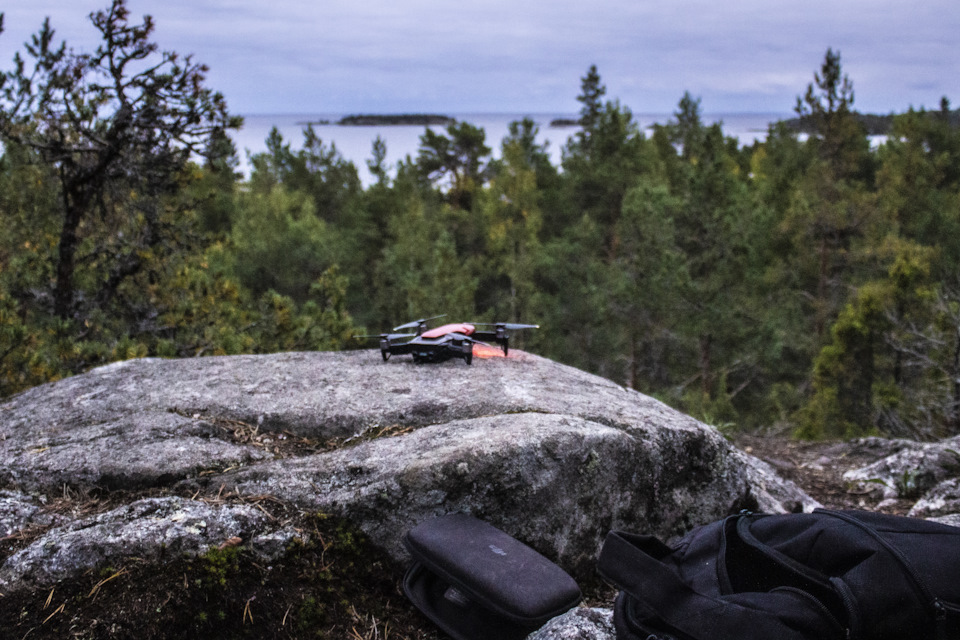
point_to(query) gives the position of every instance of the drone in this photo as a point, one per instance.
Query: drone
(446, 341)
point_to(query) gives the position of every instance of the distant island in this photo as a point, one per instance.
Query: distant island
(875, 125)
(564, 122)
(402, 119)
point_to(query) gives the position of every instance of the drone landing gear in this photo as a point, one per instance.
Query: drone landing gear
(385, 354)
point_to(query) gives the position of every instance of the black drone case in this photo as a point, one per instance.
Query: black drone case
(477, 583)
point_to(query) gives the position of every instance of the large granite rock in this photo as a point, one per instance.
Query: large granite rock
(550, 454)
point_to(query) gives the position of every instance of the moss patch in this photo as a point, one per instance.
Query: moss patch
(335, 585)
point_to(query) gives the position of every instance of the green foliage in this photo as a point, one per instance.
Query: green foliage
(845, 370)
(827, 109)
(919, 183)
(573, 284)
(646, 275)
(715, 409)
(905, 485)
(422, 271)
(858, 379)
(217, 566)
(804, 280)
(457, 158)
(119, 125)
(320, 324)
(511, 215)
(278, 243)
(591, 95)
(603, 161)
(316, 170)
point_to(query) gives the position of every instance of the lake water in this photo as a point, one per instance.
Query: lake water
(354, 142)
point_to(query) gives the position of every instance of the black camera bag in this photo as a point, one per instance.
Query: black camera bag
(816, 576)
(475, 582)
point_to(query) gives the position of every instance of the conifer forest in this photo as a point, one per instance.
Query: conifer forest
(808, 282)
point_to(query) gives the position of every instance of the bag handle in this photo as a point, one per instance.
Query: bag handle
(632, 562)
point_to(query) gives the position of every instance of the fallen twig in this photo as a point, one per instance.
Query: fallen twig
(247, 612)
(96, 587)
(58, 610)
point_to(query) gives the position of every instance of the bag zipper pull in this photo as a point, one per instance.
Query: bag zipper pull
(939, 611)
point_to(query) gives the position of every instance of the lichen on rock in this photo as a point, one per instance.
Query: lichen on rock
(150, 529)
(581, 623)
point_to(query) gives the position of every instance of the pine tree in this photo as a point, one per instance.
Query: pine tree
(124, 118)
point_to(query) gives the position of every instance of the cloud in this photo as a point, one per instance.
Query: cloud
(380, 55)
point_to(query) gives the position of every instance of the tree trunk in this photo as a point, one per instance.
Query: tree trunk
(824, 271)
(955, 408)
(63, 295)
(706, 378)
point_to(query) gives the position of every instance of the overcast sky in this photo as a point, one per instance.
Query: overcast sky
(517, 56)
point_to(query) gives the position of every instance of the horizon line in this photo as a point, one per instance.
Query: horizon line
(290, 114)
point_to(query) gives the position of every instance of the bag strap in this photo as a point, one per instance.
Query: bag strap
(625, 561)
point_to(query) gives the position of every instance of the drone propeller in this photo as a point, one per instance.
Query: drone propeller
(500, 332)
(507, 325)
(390, 336)
(417, 323)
